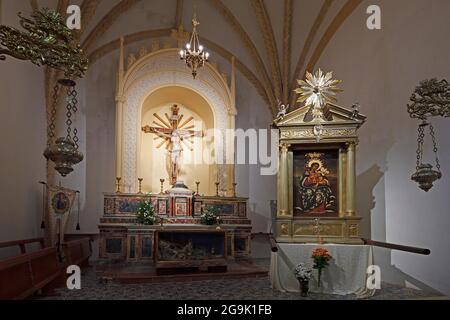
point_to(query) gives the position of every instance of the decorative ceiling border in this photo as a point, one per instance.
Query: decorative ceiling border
(270, 43)
(107, 21)
(287, 47)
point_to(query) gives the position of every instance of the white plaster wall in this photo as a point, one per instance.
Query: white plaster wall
(22, 142)
(380, 70)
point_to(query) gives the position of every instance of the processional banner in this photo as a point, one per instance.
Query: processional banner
(60, 203)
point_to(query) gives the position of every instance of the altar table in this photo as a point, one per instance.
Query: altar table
(346, 273)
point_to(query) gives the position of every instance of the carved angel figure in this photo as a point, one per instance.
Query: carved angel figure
(282, 109)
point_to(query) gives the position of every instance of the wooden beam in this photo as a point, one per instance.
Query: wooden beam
(397, 247)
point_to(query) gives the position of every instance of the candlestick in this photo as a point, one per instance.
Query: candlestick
(234, 189)
(217, 188)
(197, 183)
(140, 185)
(118, 184)
(162, 186)
(318, 230)
(218, 223)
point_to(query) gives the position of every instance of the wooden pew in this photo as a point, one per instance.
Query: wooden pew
(77, 252)
(24, 275)
(22, 244)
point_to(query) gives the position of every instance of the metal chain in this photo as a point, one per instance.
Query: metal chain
(69, 114)
(74, 103)
(52, 126)
(435, 149)
(420, 139)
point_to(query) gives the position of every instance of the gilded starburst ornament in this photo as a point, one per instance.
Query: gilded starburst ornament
(317, 90)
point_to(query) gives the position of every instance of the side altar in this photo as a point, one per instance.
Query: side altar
(317, 167)
(180, 236)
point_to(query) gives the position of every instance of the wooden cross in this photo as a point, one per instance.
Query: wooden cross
(174, 134)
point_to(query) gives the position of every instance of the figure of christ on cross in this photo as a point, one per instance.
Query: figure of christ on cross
(174, 134)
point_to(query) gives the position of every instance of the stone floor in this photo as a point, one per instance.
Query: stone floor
(231, 289)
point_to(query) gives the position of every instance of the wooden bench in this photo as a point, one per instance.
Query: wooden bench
(77, 252)
(22, 244)
(24, 275)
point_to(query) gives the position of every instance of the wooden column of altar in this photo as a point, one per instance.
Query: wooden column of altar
(351, 179)
(283, 195)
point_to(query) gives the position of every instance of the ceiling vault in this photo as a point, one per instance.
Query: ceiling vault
(179, 13)
(307, 46)
(287, 47)
(231, 19)
(337, 22)
(270, 43)
(88, 9)
(108, 21)
(281, 83)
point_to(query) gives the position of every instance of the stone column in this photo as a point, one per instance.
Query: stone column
(351, 179)
(283, 192)
(119, 122)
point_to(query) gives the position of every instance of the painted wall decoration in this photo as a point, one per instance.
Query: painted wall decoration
(316, 183)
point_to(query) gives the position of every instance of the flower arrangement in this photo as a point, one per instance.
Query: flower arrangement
(209, 216)
(302, 272)
(146, 213)
(321, 257)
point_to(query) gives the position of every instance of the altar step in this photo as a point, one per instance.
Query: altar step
(140, 273)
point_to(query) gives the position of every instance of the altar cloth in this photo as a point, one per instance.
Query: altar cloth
(346, 273)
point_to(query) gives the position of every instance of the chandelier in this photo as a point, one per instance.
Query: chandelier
(431, 98)
(194, 54)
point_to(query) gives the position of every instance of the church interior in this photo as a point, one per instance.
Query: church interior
(224, 150)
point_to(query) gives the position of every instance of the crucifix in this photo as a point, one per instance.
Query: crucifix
(174, 134)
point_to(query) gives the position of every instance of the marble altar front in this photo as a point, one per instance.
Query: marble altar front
(123, 239)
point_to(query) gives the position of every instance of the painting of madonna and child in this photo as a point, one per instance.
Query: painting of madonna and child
(316, 183)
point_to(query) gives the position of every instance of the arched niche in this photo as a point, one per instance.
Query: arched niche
(153, 156)
(147, 75)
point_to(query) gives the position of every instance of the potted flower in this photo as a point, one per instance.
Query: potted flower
(146, 213)
(209, 216)
(303, 275)
(321, 257)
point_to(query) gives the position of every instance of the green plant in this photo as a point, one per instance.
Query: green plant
(209, 216)
(321, 257)
(146, 213)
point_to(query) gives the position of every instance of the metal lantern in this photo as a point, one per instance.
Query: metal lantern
(64, 151)
(425, 175)
(431, 98)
